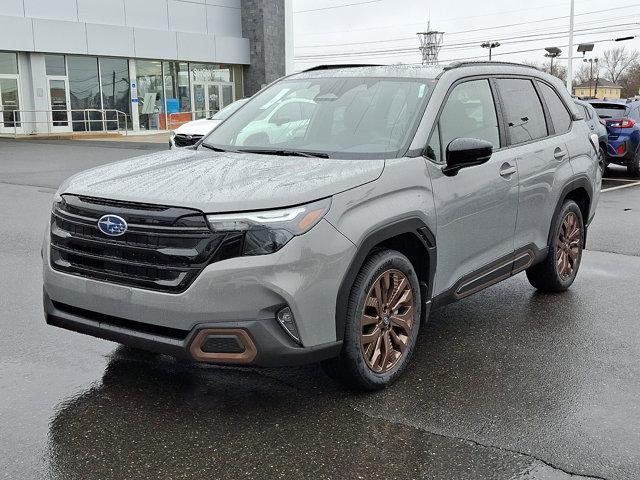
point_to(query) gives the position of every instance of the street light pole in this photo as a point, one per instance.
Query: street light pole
(569, 63)
(490, 46)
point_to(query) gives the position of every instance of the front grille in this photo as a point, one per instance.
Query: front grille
(164, 248)
(182, 140)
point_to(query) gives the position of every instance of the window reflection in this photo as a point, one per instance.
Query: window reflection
(114, 74)
(150, 93)
(84, 89)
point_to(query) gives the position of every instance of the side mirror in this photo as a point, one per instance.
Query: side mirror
(466, 152)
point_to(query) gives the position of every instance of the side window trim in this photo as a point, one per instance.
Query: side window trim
(503, 131)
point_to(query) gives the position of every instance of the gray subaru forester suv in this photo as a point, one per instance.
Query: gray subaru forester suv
(328, 231)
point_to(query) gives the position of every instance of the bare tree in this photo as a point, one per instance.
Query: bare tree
(559, 71)
(584, 74)
(630, 81)
(616, 61)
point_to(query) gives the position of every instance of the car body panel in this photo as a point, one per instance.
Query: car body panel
(222, 182)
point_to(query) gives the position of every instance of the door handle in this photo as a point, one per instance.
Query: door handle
(506, 170)
(559, 153)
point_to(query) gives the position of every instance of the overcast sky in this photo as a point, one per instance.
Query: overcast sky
(326, 30)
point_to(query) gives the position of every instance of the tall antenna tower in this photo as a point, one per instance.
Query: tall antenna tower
(430, 44)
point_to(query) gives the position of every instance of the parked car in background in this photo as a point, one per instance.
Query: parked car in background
(190, 133)
(597, 126)
(326, 230)
(622, 118)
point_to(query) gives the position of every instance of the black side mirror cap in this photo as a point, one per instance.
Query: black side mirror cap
(466, 152)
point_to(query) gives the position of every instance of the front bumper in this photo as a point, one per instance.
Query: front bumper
(269, 346)
(239, 293)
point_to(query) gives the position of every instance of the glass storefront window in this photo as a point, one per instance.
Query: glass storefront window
(54, 65)
(84, 89)
(176, 83)
(114, 78)
(8, 63)
(150, 93)
(237, 80)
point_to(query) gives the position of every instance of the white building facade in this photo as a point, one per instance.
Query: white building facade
(94, 65)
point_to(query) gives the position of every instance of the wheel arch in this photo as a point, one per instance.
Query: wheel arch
(580, 190)
(411, 237)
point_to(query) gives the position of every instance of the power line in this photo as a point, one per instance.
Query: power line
(337, 6)
(543, 37)
(367, 42)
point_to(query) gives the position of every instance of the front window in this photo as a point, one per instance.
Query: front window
(335, 117)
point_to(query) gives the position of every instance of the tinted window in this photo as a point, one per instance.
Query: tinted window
(525, 117)
(559, 115)
(470, 113)
(54, 65)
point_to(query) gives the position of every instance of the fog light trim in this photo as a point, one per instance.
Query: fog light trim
(288, 323)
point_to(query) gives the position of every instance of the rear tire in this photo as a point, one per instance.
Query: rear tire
(634, 170)
(382, 322)
(558, 271)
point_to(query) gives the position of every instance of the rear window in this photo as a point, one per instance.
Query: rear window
(610, 110)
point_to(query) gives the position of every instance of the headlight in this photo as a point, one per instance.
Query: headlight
(268, 231)
(172, 134)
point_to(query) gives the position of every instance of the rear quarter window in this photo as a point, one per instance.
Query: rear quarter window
(560, 116)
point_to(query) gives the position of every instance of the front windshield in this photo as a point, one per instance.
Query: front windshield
(228, 110)
(338, 117)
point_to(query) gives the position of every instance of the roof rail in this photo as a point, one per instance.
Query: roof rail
(345, 65)
(453, 65)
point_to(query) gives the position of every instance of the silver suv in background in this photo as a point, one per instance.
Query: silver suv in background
(400, 189)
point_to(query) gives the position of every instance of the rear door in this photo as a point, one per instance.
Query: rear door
(476, 209)
(541, 153)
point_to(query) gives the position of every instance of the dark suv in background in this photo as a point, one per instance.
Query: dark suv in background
(622, 118)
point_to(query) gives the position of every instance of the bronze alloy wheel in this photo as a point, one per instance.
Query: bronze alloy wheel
(387, 320)
(568, 245)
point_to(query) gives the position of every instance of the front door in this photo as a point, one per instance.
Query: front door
(59, 104)
(209, 98)
(477, 208)
(9, 105)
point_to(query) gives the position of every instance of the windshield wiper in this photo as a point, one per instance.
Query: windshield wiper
(289, 153)
(217, 149)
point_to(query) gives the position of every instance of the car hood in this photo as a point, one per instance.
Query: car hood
(197, 127)
(222, 182)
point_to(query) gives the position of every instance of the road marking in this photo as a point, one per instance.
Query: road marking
(620, 187)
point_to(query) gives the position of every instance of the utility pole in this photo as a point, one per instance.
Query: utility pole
(570, 61)
(490, 46)
(430, 44)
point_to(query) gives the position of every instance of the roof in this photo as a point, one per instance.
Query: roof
(601, 83)
(410, 71)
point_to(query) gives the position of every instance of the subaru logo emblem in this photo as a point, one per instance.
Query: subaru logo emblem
(112, 225)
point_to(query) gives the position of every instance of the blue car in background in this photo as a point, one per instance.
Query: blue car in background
(622, 118)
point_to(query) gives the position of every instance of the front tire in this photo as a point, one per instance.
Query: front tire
(382, 322)
(558, 271)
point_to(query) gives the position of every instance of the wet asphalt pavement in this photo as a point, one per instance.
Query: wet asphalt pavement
(507, 384)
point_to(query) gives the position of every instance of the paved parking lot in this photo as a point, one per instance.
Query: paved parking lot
(507, 384)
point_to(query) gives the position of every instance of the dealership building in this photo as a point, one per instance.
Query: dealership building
(95, 65)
